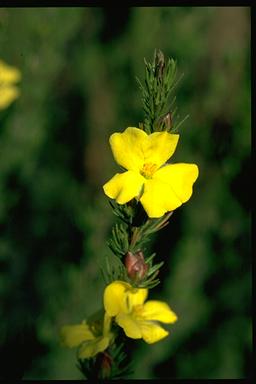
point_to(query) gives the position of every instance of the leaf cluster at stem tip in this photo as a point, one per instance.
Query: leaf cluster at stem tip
(160, 81)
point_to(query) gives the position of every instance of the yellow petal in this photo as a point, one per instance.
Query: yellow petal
(158, 198)
(152, 332)
(133, 148)
(180, 177)
(8, 74)
(73, 335)
(119, 296)
(123, 187)
(127, 148)
(7, 95)
(158, 311)
(93, 347)
(114, 297)
(135, 296)
(159, 147)
(129, 325)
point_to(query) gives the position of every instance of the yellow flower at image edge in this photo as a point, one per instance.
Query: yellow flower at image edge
(8, 91)
(83, 335)
(160, 187)
(139, 319)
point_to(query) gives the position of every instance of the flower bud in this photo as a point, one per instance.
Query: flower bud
(135, 265)
(106, 364)
(166, 122)
(159, 63)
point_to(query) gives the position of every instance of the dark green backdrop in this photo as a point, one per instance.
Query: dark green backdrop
(78, 86)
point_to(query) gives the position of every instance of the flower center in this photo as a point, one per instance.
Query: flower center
(148, 170)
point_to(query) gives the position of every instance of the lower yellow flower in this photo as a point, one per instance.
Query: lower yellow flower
(160, 187)
(8, 90)
(88, 337)
(137, 318)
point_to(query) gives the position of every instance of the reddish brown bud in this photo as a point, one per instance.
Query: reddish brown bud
(159, 63)
(106, 365)
(135, 265)
(166, 120)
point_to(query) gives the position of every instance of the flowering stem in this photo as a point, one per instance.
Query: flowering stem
(131, 272)
(130, 235)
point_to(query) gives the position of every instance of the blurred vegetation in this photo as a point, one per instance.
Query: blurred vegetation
(78, 86)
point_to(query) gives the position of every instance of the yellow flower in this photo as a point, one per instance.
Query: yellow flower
(138, 319)
(90, 338)
(8, 91)
(159, 188)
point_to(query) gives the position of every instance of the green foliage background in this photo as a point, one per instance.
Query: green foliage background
(78, 86)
